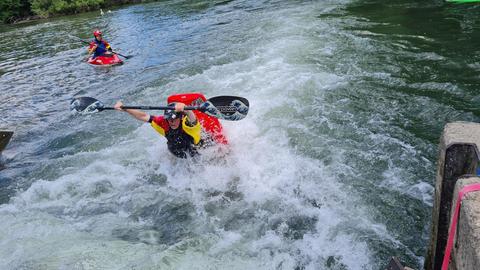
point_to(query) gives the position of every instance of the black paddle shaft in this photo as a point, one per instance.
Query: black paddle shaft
(151, 108)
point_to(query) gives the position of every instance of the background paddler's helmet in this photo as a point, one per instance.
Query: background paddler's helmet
(171, 114)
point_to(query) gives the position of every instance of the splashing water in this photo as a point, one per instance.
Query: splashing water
(338, 138)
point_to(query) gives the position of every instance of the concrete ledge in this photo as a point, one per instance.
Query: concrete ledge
(466, 251)
(458, 156)
(461, 133)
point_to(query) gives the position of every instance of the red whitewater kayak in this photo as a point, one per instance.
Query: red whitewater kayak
(210, 125)
(106, 60)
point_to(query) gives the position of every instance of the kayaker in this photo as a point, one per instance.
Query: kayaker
(178, 126)
(98, 46)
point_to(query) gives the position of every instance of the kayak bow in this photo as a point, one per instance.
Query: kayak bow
(105, 60)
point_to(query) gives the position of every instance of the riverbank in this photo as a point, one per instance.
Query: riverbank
(21, 11)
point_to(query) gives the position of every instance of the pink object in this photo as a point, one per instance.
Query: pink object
(453, 227)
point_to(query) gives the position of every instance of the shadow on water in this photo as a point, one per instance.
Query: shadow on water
(170, 223)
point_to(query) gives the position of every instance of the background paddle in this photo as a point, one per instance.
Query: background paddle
(88, 43)
(222, 107)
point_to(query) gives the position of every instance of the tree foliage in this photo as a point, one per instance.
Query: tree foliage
(11, 10)
(47, 8)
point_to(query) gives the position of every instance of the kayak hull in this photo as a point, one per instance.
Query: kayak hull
(210, 125)
(105, 60)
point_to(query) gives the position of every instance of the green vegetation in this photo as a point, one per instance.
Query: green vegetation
(12, 10)
(46, 8)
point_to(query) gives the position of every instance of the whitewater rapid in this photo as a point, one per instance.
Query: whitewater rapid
(312, 177)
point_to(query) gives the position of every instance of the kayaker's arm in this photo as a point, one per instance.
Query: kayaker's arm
(91, 50)
(142, 116)
(192, 119)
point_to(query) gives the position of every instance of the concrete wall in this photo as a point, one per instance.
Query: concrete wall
(466, 252)
(458, 158)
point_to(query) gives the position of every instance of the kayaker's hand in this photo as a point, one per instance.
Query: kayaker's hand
(179, 107)
(91, 50)
(118, 106)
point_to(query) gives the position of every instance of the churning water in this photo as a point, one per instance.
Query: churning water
(332, 168)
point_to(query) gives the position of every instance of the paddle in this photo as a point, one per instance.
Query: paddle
(86, 42)
(125, 56)
(222, 107)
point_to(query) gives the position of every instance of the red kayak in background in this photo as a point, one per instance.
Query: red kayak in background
(210, 125)
(109, 60)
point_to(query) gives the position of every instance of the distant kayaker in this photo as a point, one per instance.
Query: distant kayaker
(180, 127)
(99, 47)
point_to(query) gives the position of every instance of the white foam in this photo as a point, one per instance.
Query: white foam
(264, 205)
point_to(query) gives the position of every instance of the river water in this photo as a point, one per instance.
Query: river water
(332, 169)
